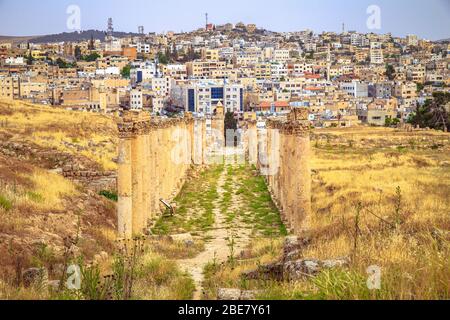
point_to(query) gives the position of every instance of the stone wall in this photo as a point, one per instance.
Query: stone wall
(155, 156)
(283, 157)
(76, 168)
(95, 180)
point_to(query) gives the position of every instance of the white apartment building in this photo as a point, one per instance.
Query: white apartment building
(376, 53)
(356, 89)
(113, 46)
(160, 86)
(226, 53)
(143, 47)
(359, 40)
(109, 71)
(278, 71)
(176, 71)
(136, 101)
(15, 61)
(143, 71)
(204, 96)
(310, 46)
(281, 55)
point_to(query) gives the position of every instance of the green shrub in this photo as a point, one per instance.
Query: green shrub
(5, 203)
(109, 195)
(35, 197)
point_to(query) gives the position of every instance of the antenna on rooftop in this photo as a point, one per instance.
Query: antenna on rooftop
(110, 27)
(343, 27)
(109, 34)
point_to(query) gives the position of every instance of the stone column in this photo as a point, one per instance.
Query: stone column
(280, 179)
(124, 185)
(136, 158)
(153, 180)
(303, 180)
(197, 143)
(252, 138)
(155, 170)
(205, 155)
(146, 182)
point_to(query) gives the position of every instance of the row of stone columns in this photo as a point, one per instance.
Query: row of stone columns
(283, 157)
(154, 158)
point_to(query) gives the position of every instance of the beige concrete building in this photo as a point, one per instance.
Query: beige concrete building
(405, 90)
(210, 54)
(203, 69)
(9, 88)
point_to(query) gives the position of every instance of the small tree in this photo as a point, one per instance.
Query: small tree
(91, 57)
(390, 72)
(230, 123)
(126, 71)
(30, 59)
(420, 87)
(162, 58)
(433, 113)
(77, 53)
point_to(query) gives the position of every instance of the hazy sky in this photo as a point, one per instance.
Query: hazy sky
(429, 19)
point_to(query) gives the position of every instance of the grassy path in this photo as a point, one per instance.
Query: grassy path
(226, 207)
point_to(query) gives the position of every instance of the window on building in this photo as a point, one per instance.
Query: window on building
(216, 93)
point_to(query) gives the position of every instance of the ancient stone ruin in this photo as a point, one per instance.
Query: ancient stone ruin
(155, 156)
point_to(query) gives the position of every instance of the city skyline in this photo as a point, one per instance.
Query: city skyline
(429, 21)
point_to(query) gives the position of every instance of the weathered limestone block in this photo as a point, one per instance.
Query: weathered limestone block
(181, 237)
(236, 295)
(293, 270)
(298, 270)
(273, 271)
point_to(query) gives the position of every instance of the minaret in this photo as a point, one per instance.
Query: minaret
(206, 25)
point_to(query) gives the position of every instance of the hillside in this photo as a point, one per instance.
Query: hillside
(40, 209)
(79, 36)
(66, 37)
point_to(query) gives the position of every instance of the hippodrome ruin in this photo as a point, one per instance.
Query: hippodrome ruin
(155, 156)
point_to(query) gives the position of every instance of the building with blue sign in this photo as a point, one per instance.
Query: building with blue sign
(204, 96)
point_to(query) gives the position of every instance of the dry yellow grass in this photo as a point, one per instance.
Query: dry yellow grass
(47, 192)
(81, 133)
(401, 184)
(397, 186)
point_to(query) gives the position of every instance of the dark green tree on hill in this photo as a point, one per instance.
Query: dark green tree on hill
(433, 113)
(390, 72)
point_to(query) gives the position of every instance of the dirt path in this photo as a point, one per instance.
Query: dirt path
(221, 234)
